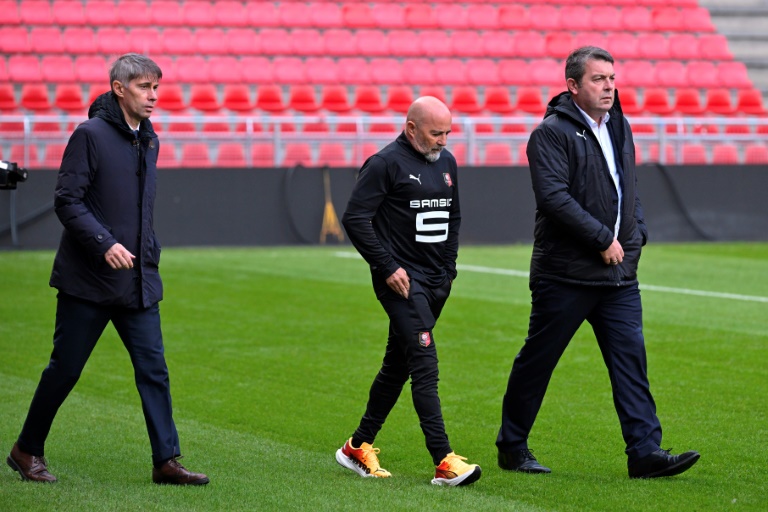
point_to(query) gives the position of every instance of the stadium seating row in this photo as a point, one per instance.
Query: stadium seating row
(372, 99)
(667, 16)
(380, 70)
(363, 42)
(336, 154)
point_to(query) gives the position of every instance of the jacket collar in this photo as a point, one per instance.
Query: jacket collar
(107, 108)
(403, 141)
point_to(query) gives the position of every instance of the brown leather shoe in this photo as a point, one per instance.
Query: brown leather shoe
(172, 472)
(30, 467)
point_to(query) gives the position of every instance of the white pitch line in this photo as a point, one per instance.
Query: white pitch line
(643, 287)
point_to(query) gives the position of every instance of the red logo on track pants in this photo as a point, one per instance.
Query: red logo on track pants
(425, 339)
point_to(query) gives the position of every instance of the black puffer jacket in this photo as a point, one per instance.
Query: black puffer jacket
(105, 194)
(576, 199)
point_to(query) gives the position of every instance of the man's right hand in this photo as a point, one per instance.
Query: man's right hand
(400, 282)
(119, 258)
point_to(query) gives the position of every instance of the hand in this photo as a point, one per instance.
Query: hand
(614, 254)
(400, 282)
(119, 258)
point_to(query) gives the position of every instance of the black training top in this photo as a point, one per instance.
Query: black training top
(404, 212)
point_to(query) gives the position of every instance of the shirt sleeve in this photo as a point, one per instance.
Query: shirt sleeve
(372, 186)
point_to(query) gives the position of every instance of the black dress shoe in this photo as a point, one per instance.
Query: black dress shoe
(173, 473)
(521, 460)
(661, 463)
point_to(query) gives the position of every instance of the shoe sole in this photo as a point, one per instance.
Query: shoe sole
(465, 479)
(202, 481)
(680, 467)
(348, 463)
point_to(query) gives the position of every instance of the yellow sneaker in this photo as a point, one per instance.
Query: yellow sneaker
(454, 471)
(363, 460)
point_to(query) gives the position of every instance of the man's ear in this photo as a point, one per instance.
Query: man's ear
(117, 88)
(572, 86)
(410, 127)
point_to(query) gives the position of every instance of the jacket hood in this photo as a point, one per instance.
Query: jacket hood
(564, 103)
(107, 108)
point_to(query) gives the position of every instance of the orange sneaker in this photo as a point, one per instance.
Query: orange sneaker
(454, 471)
(363, 460)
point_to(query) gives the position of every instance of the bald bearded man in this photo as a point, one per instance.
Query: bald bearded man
(403, 217)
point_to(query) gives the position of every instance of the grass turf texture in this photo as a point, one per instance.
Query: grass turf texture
(272, 351)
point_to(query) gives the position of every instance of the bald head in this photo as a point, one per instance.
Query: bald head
(427, 126)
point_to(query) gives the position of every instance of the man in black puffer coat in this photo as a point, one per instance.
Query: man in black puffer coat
(106, 268)
(588, 237)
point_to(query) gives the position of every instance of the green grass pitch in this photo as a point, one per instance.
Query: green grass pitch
(272, 351)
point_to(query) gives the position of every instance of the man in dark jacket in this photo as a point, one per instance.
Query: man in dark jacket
(588, 234)
(403, 218)
(106, 268)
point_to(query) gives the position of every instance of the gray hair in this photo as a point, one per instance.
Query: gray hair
(576, 63)
(131, 66)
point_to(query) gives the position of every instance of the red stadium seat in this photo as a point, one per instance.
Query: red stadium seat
(333, 154)
(419, 16)
(694, 154)
(275, 41)
(199, 14)
(418, 71)
(171, 97)
(636, 18)
(36, 12)
(530, 44)
(483, 16)
(341, 43)
(297, 153)
(436, 43)
(24, 68)
(559, 44)
(263, 154)
(326, 15)
(69, 97)
(91, 68)
(257, 70)
(450, 72)
(459, 152)
(654, 155)
(15, 40)
(465, 100)
(529, 100)
(514, 72)
(204, 97)
(302, 98)
(195, 154)
(756, 154)
(133, 13)
(696, 19)
(353, 70)
(750, 101)
(704, 74)
(725, 154)
(357, 15)
(210, 41)
(399, 98)
(192, 69)
(317, 127)
(294, 14)
(35, 97)
(514, 16)
(7, 98)
(237, 98)
(497, 100)
(9, 13)
(230, 13)
(54, 153)
(242, 41)
(630, 104)
(46, 40)
(734, 74)
(671, 73)
(438, 91)
(623, 44)
(79, 40)
(225, 69)
(657, 102)
(166, 157)
(231, 154)
(467, 43)
(321, 70)
(100, 13)
(667, 19)
(270, 98)
(497, 153)
(684, 46)
(605, 16)
(334, 98)
(522, 155)
(547, 72)
(452, 16)
(714, 47)
(376, 42)
(638, 73)
(498, 44)
(57, 68)
(307, 41)
(263, 14)
(719, 102)
(25, 155)
(112, 40)
(482, 72)
(68, 13)
(166, 13)
(386, 71)
(653, 46)
(389, 15)
(577, 18)
(544, 17)
(144, 40)
(688, 102)
(368, 99)
(289, 70)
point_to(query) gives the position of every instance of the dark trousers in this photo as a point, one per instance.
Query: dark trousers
(410, 351)
(557, 311)
(79, 324)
